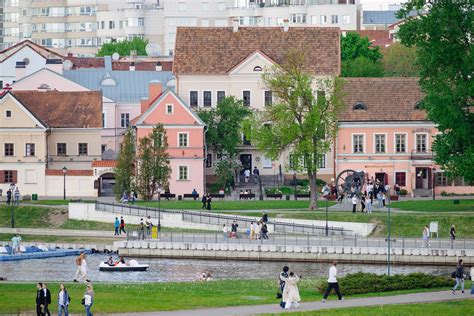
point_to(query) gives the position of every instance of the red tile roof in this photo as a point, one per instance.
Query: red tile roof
(376, 37)
(386, 99)
(216, 50)
(104, 163)
(64, 109)
(70, 172)
(41, 50)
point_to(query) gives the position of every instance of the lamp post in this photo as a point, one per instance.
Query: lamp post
(295, 183)
(389, 236)
(326, 192)
(12, 189)
(433, 170)
(64, 182)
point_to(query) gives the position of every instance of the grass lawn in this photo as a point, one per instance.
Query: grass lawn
(461, 307)
(25, 216)
(60, 239)
(112, 298)
(435, 206)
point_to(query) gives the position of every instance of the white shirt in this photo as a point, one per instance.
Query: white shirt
(332, 275)
(224, 229)
(247, 173)
(84, 266)
(354, 199)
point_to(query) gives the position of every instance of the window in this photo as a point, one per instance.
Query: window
(82, 149)
(346, 19)
(323, 19)
(103, 120)
(441, 179)
(322, 162)
(141, 22)
(401, 178)
(246, 97)
(268, 98)
(193, 98)
(207, 98)
(220, 96)
(358, 143)
(419, 105)
(204, 6)
(209, 161)
(111, 25)
(124, 119)
(421, 143)
(102, 25)
(30, 149)
(169, 109)
(183, 173)
(298, 18)
(182, 139)
(400, 143)
(9, 150)
(8, 113)
(9, 176)
(359, 106)
(103, 148)
(379, 143)
(257, 68)
(205, 23)
(334, 19)
(61, 149)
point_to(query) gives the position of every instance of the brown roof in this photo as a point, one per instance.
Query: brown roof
(376, 37)
(41, 50)
(70, 172)
(142, 65)
(85, 62)
(64, 109)
(386, 99)
(216, 50)
(104, 163)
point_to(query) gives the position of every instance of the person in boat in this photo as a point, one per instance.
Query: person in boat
(110, 262)
(120, 261)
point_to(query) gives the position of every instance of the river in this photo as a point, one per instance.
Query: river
(168, 270)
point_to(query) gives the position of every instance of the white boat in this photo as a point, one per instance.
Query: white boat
(132, 265)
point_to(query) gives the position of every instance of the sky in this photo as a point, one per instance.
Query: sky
(378, 4)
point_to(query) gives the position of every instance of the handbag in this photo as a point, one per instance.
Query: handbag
(453, 275)
(83, 301)
(279, 296)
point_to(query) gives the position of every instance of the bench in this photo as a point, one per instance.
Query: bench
(302, 195)
(191, 196)
(168, 195)
(217, 196)
(274, 195)
(247, 196)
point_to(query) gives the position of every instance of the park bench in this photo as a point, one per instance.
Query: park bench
(191, 196)
(302, 195)
(274, 195)
(217, 196)
(246, 196)
(168, 196)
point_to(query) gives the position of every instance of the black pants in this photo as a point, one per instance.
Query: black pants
(46, 310)
(354, 206)
(39, 310)
(363, 206)
(122, 230)
(331, 286)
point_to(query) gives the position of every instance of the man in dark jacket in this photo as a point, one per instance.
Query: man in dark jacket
(39, 299)
(47, 300)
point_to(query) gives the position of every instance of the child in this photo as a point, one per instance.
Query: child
(369, 204)
(291, 295)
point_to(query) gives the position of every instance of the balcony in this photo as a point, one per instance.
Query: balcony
(421, 155)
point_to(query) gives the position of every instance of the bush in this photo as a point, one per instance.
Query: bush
(403, 192)
(360, 283)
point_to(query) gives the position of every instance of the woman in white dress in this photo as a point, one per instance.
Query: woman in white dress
(291, 294)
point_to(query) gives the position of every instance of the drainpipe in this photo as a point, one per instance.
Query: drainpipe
(48, 132)
(204, 160)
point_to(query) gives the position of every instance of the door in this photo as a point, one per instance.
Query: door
(382, 177)
(422, 178)
(246, 161)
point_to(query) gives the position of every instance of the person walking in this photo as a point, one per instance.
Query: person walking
(452, 235)
(252, 231)
(264, 231)
(265, 217)
(63, 300)
(369, 204)
(81, 268)
(246, 175)
(208, 201)
(9, 196)
(116, 226)
(17, 196)
(233, 230)
(459, 274)
(203, 201)
(426, 236)
(354, 202)
(149, 225)
(281, 285)
(291, 294)
(47, 300)
(39, 299)
(225, 232)
(122, 225)
(16, 241)
(141, 230)
(362, 204)
(332, 283)
(88, 299)
(256, 174)
(379, 198)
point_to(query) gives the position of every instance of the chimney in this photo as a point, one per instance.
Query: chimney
(132, 66)
(155, 88)
(158, 66)
(143, 105)
(286, 25)
(20, 70)
(108, 63)
(55, 65)
(235, 25)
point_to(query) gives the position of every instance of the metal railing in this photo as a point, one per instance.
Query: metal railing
(218, 219)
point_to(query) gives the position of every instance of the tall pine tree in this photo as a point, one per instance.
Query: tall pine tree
(124, 171)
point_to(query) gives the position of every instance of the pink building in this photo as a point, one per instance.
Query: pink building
(185, 132)
(384, 133)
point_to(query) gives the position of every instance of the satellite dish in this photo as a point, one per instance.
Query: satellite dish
(153, 49)
(67, 64)
(115, 56)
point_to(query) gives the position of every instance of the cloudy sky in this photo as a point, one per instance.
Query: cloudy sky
(378, 4)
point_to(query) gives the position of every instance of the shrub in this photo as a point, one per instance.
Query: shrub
(403, 192)
(360, 283)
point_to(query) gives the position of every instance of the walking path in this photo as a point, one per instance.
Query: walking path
(427, 297)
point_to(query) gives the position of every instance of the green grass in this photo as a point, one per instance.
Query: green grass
(112, 298)
(435, 206)
(25, 216)
(461, 307)
(59, 239)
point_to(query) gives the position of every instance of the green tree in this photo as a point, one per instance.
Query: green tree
(298, 121)
(224, 135)
(444, 41)
(124, 170)
(124, 47)
(358, 58)
(400, 61)
(153, 163)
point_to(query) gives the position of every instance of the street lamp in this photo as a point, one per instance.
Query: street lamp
(389, 236)
(433, 170)
(295, 183)
(12, 189)
(64, 182)
(326, 192)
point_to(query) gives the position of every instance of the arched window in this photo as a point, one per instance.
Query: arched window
(257, 68)
(359, 106)
(419, 105)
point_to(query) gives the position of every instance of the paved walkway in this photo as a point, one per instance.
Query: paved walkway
(427, 297)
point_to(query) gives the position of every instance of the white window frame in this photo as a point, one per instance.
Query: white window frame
(189, 96)
(210, 104)
(220, 90)
(172, 109)
(264, 92)
(187, 139)
(178, 173)
(427, 143)
(363, 143)
(375, 144)
(27, 154)
(323, 21)
(395, 143)
(250, 97)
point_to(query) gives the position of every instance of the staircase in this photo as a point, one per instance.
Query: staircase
(268, 181)
(422, 192)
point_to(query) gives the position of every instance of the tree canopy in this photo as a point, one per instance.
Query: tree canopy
(444, 47)
(124, 170)
(358, 58)
(124, 47)
(400, 61)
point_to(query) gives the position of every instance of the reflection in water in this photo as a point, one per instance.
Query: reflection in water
(165, 270)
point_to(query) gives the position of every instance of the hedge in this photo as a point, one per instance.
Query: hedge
(360, 283)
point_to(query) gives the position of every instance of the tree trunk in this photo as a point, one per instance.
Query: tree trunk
(313, 196)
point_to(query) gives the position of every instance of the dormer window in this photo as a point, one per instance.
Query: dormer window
(8, 113)
(108, 81)
(419, 105)
(257, 68)
(169, 109)
(359, 106)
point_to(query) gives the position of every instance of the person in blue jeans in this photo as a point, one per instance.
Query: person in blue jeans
(117, 225)
(88, 299)
(63, 300)
(459, 274)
